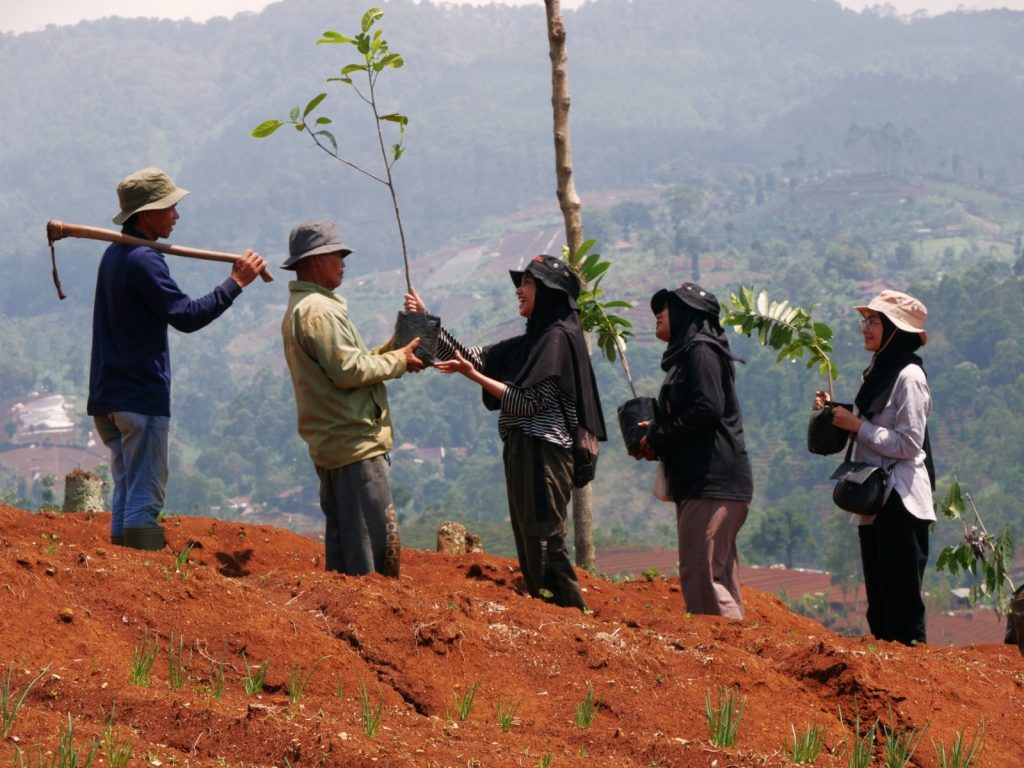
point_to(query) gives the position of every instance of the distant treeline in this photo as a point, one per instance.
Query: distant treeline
(788, 143)
(662, 90)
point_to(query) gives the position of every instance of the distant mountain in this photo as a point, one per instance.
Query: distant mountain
(790, 143)
(662, 90)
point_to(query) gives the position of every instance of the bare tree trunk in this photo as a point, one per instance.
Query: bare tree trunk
(569, 201)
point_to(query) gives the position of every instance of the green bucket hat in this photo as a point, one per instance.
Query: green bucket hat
(147, 190)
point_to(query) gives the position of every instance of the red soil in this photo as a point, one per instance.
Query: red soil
(70, 600)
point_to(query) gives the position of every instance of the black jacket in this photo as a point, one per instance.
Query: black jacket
(698, 429)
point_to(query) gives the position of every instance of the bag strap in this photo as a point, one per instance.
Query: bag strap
(849, 447)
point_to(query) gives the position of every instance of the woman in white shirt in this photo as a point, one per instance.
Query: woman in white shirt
(890, 431)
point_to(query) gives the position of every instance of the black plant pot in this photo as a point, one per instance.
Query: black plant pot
(823, 437)
(1015, 621)
(416, 325)
(631, 413)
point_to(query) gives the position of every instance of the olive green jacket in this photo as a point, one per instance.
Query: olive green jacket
(339, 392)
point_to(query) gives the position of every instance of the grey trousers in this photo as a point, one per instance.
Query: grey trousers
(361, 528)
(538, 478)
(708, 561)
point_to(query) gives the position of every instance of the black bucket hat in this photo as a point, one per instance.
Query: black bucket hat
(690, 294)
(312, 239)
(554, 273)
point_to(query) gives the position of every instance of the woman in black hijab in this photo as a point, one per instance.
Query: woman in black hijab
(697, 434)
(891, 432)
(544, 387)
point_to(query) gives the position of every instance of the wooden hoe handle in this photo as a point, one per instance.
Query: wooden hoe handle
(57, 230)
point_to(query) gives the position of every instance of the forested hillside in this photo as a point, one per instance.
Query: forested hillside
(789, 143)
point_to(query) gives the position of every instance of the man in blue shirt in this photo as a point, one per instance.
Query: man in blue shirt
(130, 375)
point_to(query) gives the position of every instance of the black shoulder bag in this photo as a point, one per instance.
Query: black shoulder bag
(585, 450)
(860, 487)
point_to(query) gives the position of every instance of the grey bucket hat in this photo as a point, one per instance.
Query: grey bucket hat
(147, 190)
(312, 239)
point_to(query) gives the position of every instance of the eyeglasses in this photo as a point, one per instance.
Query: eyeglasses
(869, 322)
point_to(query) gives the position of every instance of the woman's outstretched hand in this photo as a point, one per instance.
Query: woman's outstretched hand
(458, 364)
(413, 302)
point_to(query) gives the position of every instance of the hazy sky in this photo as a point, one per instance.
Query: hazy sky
(28, 15)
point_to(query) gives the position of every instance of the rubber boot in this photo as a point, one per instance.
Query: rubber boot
(117, 540)
(151, 539)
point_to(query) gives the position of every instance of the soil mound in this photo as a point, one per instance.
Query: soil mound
(417, 645)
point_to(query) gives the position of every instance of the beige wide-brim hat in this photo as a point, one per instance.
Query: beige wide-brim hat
(902, 309)
(147, 190)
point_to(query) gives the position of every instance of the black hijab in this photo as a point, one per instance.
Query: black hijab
(898, 350)
(688, 326)
(553, 345)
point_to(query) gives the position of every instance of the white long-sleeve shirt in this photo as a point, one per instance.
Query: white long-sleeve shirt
(894, 439)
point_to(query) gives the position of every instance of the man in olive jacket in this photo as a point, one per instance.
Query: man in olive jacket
(342, 405)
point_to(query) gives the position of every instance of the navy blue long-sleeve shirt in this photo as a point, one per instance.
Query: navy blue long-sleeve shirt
(136, 299)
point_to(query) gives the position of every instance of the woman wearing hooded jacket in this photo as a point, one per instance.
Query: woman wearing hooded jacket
(543, 386)
(697, 434)
(893, 404)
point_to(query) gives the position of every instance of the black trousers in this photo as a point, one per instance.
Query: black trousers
(894, 551)
(360, 526)
(538, 478)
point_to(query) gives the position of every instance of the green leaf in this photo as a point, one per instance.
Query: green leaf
(313, 104)
(330, 138)
(371, 17)
(394, 117)
(589, 263)
(597, 271)
(581, 252)
(323, 121)
(350, 68)
(944, 557)
(762, 303)
(293, 116)
(331, 36)
(265, 128)
(954, 505)
(609, 350)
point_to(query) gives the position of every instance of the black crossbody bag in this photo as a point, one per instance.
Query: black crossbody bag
(860, 487)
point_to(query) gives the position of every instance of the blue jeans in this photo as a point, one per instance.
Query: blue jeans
(138, 465)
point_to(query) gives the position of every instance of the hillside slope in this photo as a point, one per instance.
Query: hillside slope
(72, 601)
